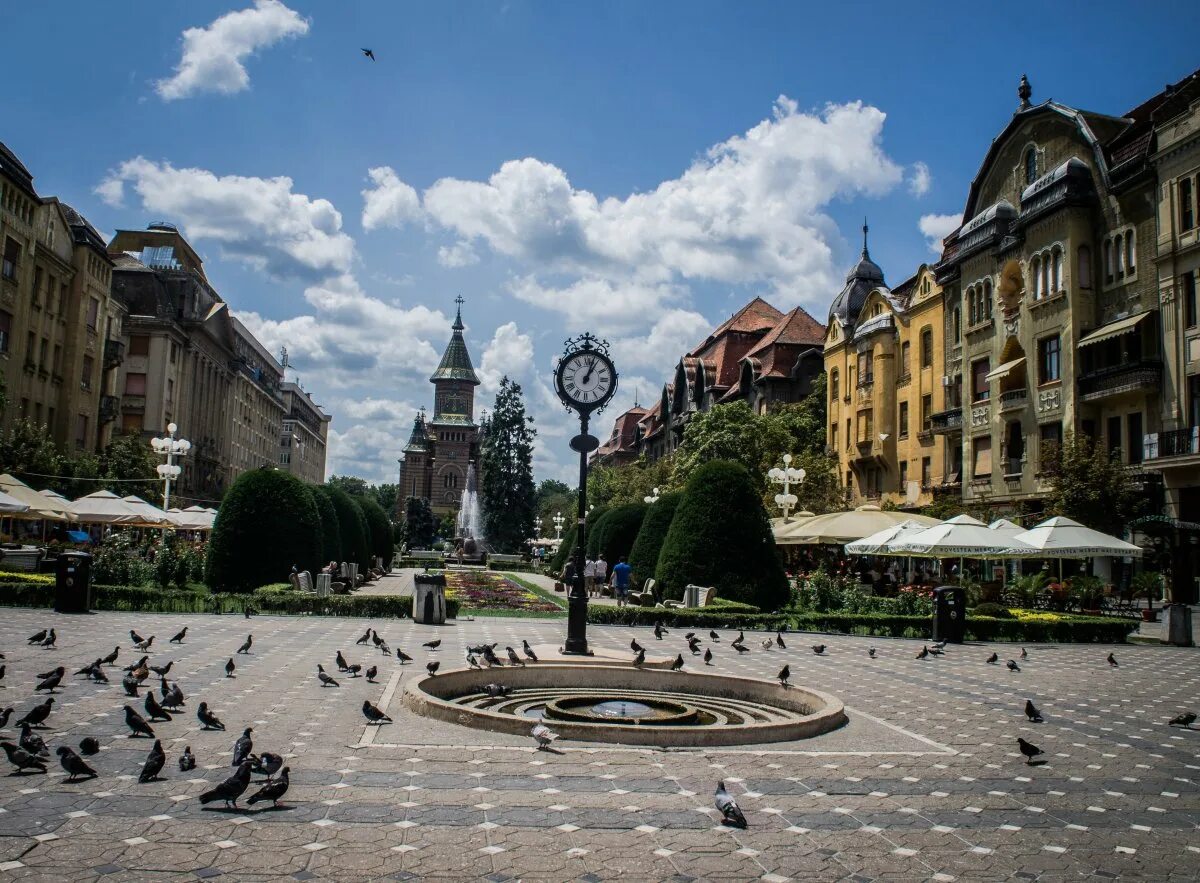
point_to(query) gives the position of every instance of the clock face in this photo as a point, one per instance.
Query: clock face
(587, 378)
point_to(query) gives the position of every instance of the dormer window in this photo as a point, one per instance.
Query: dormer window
(1030, 165)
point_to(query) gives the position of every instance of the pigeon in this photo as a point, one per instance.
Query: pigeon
(207, 718)
(528, 651)
(5, 714)
(1031, 712)
(130, 683)
(162, 670)
(178, 637)
(136, 723)
(373, 714)
(1183, 720)
(371, 55)
(714, 637)
(385, 649)
(543, 735)
(88, 669)
(993, 659)
(677, 665)
(731, 813)
(432, 668)
(694, 646)
(741, 638)
(871, 652)
(708, 656)
(354, 670)
(326, 680)
(767, 644)
(1112, 660)
(497, 691)
(135, 637)
(273, 790)
(136, 665)
(639, 659)
(267, 764)
(38, 714)
(935, 650)
(1028, 749)
(50, 639)
(923, 652)
(245, 648)
(144, 645)
(22, 759)
(659, 631)
(375, 639)
(231, 789)
(490, 657)
(432, 645)
(819, 649)
(740, 648)
(689, 636)
(111, 657)
(513, 658)
(98, 675)
(156, 711)
(779, 641)
(32, 742)
(39, 637)
(89, 745)
(941, 645)
(472, 661)
(402, 657)
(154, 763)
(370, 673)
(242, 747)
(52, 681)
(784, 674)
(140, 673)
(634, 645)
(1012, 665)
(230, 668)
(366, 637)
(187, 760)
(1024, 653)
(173, 698)
(341, 661)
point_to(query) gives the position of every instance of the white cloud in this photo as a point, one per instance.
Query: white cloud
(212, 56)
(461, 254)
(920, 179)
(509, 353)
(259, 221)
(673, 334)
(389, 202)
(607, 306)
(935, 228)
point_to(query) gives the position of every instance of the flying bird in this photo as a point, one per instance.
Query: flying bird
(73, 764)
(230, 668)
(89, 745)
(242, 747)
(371, 55)
(1028, 749)
(136, 723)
(178, 637)
(1031, 712)
(677, 665)
(373, 714)
(231, 789)
(731, 813)
(432, 645)
(187, 760)
(1183, 720)
(543, 735)
(22, 759)
(207, 718)
(154, 763)
(272, 790)
(1012, 665)
(245, 648)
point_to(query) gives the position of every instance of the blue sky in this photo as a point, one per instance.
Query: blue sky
(639, 169)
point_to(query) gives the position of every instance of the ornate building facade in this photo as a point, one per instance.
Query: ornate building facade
(439, 450)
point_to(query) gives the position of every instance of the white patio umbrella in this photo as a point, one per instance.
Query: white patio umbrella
(59, 502)
(36, 505)
(1060, 537)
(962, 537)
(880, 543)
(149, 515)
(838, 528)
(104, 507)
(10, 505)
(195, 518)
(781, 527)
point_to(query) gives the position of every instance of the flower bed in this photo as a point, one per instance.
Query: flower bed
(486, 590)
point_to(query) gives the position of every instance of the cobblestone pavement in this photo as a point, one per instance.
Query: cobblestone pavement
(924, 783)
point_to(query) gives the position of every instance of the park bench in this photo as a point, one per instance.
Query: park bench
(424, 555)
(706, 594)
(497, 558)
(24, 559)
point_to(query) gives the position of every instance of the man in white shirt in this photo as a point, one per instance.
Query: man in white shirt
(589, 577)
(601, 573)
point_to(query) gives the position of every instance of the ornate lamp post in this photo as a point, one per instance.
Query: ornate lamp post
(170, 447)
(651, 498)
(585, 380)
(559, 521)
(786, 477)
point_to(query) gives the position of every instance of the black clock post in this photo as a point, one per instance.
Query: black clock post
(585, 380)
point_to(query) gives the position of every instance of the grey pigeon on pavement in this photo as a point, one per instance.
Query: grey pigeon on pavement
(513, 658)
(1012, 665)
(231, 789)
(1183, 720)
(73, 764)
(245, 648)
(154, 763)
(373, 714)
(136, 723)
(52, 681)
(993, 659)
(708, 656)
(272, 790)
(370, 673)
(326, 680)
(242, 747)
(354, 670)
(38, 637)
(130, 683)
(206, 717)
(366, 637)
(22, 759)
(543, 735)
(731, 813)
(432, 645)
(144, 645)
(230, 668)
(32, 742)
(38, 714)
(178, 637)
(267, 764)
(187, 760)
(341, 661)
(89, 745)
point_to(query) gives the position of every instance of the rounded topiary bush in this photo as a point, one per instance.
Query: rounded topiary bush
(996, 611)
(643, 557)
(595, 524)
(720, 537)
(267, 524)
(331, 536)
(352, 526)
(378, 527)
(621, 526)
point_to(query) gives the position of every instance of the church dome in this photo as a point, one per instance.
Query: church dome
(864, 276)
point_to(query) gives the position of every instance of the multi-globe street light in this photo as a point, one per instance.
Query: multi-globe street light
(170, 447)
(652, 497)
(559, 521)
(786, 477)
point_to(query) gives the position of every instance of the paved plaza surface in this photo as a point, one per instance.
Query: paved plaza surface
(924, 783)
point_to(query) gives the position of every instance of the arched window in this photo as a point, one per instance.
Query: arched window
(1035, 274)
(1056, 277)
(833, 385)
(1118, 257)
(926, 347)
(1130, 255)
(1084, 271)
(1047, 289)
(1030, 165)
(987, 298)
(956, 320)
(1108, 260)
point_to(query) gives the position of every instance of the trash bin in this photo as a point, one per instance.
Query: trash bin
(73, 583)
(949, 614)
(324, 585)
(429, 599)
(1179, 625)
(691, 595)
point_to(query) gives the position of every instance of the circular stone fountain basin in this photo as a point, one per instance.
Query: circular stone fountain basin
(624, 705)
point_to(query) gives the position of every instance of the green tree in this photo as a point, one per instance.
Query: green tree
(734, 433)
(592, 538)
(643, 557)
(805, 420)
(418, 523)
(566, 548)
(128, 466)
(620, 529)
(820, 491)
(351, 525)
(506, 465)
(28, 452)
(379, 528)
(331, 535)
(1090, 485)
(553, 497)
(629, 483)
(267, 524)
(720, 537)
(387, 496)
(351, 484)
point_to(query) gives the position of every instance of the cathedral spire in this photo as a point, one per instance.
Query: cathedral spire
(458, 322)
(456, 361)
(865, 254)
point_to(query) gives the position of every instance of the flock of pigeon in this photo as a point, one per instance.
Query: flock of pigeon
(30, 754)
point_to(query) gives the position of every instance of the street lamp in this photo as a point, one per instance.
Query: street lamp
(537, 528)
(652, 497)
(559, 521)
(169, 447)
(786, 477)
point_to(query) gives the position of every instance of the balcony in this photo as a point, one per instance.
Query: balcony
(1174, 443)
(133, 403)
(946, 422)
(1014, 398)
(114, 353)
(1113, 380)
(109, 406)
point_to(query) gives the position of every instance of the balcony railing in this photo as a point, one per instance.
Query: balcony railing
(114, 353)
(1116, 379)
(133, 403)
(946, 421)
(109, 406)
(1174, 443)
(1013, 398)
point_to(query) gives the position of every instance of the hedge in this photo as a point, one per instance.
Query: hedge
(150, 600)
(643, 557)
(619, 530)
(331, 534)
(379, 529)
(566, 549)
(594, 517)
(352, 525)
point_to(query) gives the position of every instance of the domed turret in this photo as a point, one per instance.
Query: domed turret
(864, 276)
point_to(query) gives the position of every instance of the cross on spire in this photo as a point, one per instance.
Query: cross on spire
(458, 322)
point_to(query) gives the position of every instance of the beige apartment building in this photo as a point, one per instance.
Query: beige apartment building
(258, 405)
(305, 435)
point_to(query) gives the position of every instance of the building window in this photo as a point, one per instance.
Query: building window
(45, 354)
(866, 426)
(174, 352)
(982, 457)
(1108, 261)
(1014, 443)
(139, 344)
(81, 430)
(1193, 411)
(926, 347)
(135, 384)
(1133, 429)
(1187, 211)
(956, 322)
(903, 476)
(980, 388)
(1113, 429)
(93, 313)
(904, 354)
(1056, 267)
(1130, 252)
(1049, 439)
(1084, 273)
(833, 436)
(926, 472)
(902, 430)
(5, 330)
(1049, 359)
(1189, 299)
(849, 435)
(37, 286)
(927, 412)
(85, 375)
(833, 385)
(866, 369)
(12, 255)
(1035, 274)
(1030, 165)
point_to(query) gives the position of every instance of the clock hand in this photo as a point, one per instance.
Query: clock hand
(591, 368)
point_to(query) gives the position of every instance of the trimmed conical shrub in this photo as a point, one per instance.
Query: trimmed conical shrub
(352, 525)
(643, 557)
(720, 537)
(595, 519)
(331, 537)
(379, 528)
(268, 523)
(619, 530)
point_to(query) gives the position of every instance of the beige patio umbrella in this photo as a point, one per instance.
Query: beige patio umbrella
(193, 518)
(148, 514)
(104, 507)
(838, 528)
(11, 505)
(59, 502)
(781, 527)
(1061, 537)
(38, 506)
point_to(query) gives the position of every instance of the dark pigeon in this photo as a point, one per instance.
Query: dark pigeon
(366, 637)
(1012, 665)
(708, 655)
(155, 761)
(371, 55)
(370, 673)
(73, 764)
(187, 760)
(39, 636)
(267, 764)
(373, 714)
(51, 683)
(273, 790)
(136, 723)
(32, 742)
(22, 759)
(923, 653)
(230, 668)
(242, 747)
(1031, 712)
(432, 645)
(528, 651)
(178, 637)
(1112, 660)
(994, 659)
(354, 670)
(1183, 720)
(784, 674)
(819, 649)
(1028, 749)
(37, 715)
(432, 667)
(156, 711)
(245, 648)
(497, 691)
(111, 657)
(162, 670)
(130, 683)
(513, 658)
(341, 661)
(231, 789)
(326, 680)
(677, 665)
(402, 657)
(89, 745)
